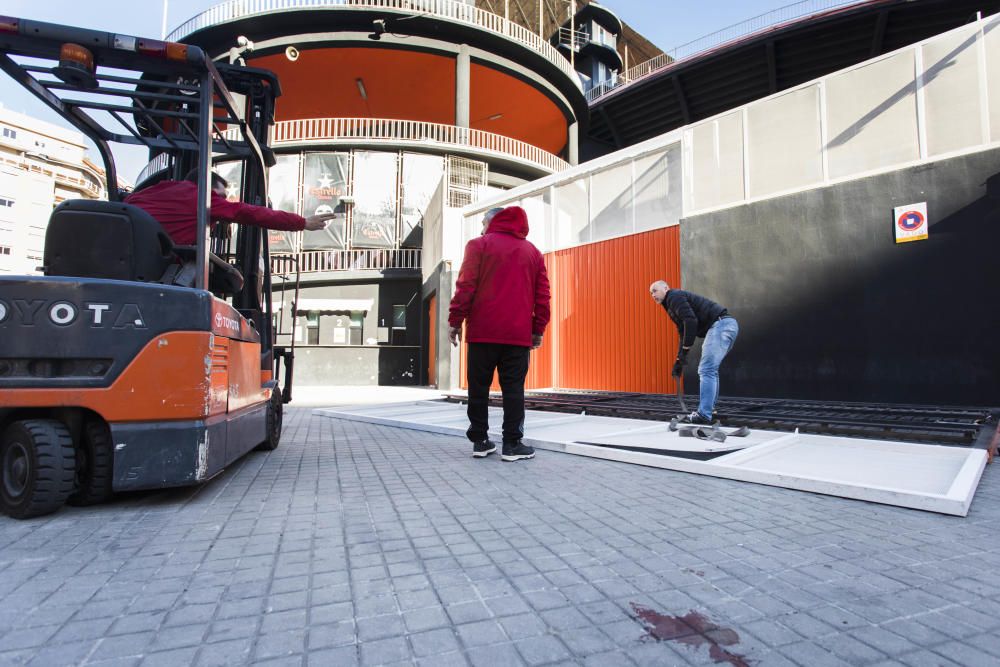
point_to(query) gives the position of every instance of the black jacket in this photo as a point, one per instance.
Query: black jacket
(692, 314)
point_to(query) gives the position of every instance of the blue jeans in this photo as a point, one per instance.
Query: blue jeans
(718, 341)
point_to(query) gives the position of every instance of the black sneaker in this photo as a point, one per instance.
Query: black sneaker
(696, 418)
(515, 451)
(483, 448)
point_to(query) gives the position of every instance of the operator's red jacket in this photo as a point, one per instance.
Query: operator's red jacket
(174, 205)
(503, 290)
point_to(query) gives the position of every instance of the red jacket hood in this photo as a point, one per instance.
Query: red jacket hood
(512, 220)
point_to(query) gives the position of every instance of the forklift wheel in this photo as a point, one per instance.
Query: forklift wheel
(94, 462)
(37, 467)
(275, 411)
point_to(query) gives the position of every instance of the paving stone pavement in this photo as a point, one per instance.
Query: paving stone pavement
(356, 544)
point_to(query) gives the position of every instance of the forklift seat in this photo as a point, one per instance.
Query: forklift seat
(101, 239)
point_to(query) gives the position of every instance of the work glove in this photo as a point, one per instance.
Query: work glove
(678, 369)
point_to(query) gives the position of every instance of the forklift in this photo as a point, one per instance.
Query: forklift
(132, 363)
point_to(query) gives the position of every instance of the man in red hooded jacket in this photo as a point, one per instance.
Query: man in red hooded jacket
(502, 295)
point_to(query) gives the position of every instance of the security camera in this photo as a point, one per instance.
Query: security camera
(378, 29)
(243, 45)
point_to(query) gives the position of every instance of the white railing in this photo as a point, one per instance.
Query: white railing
(84, 185)
(357, 259)
(452, 10)
(380, 129)
(737, 31)
(575, 39)
(158, 163)
(419, 133)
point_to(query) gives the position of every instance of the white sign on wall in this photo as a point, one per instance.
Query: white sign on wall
(910, 222)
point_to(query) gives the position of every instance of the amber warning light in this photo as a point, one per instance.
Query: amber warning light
(76, 66)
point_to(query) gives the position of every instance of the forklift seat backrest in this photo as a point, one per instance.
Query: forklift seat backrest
(101, 239)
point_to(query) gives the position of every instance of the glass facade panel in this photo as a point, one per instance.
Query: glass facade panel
(375, 179)
(283, 191)
(784, 142)
(539, 210)
(872, 116)
(233, 173)
(572, 213)
(611, 202)
(421, 179)
(992, 43)
(658, 193)
(325, 181)
(716, 162)
(951, 93)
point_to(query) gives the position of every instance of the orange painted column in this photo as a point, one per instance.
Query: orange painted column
(432, 339)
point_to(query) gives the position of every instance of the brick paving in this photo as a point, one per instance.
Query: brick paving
(356, 544)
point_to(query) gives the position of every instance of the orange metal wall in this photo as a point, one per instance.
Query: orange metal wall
(606, 332)
(609, 332)
(540, 368)
(432, 341)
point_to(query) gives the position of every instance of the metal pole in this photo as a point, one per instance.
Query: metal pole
(204, 179)
(540, 19)
(572, 33)
(163, 28)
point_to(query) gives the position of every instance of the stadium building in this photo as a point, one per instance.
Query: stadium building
(771, 166)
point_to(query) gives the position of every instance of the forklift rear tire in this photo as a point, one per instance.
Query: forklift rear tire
(275, 413)
(94, 462)
(37, 467)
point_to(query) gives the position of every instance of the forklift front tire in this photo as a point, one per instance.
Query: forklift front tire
(94, 462)
(37, 467)
(275, 414)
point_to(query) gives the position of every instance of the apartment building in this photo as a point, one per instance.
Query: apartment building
(41, 165)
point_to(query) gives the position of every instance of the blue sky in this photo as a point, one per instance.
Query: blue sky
(667, 24)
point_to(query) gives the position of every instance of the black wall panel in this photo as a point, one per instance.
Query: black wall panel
(830, 307)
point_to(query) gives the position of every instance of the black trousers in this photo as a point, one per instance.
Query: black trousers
(512, 363)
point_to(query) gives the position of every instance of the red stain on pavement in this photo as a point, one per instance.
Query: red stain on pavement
(695, 630)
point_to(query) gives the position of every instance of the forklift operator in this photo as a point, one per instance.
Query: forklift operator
(174, 204)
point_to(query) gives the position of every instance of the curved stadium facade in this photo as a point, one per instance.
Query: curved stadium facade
(759, 166)
(395, 113)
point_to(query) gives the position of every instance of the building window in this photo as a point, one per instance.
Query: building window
(6, 202)
(357, 327)
(312, 328)
(348, 328)
(398, 325)
(8, 133)
(4, 250)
